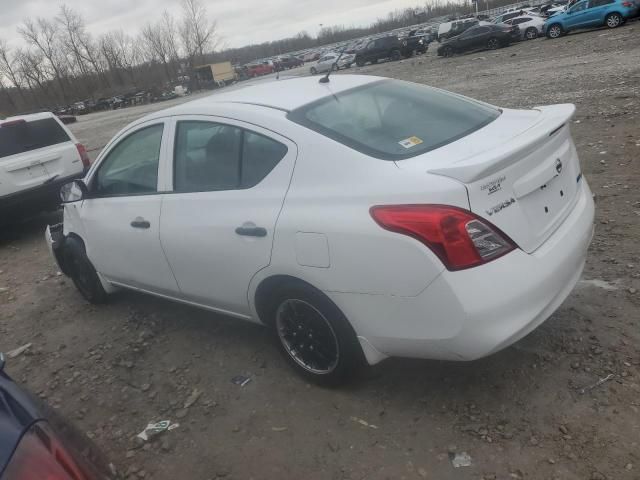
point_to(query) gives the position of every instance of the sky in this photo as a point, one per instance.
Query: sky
(240, 22)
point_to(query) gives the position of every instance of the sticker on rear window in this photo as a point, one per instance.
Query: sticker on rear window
(410, 142)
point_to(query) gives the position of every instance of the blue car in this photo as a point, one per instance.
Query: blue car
(590, 13)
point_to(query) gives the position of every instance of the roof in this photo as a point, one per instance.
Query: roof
(29, 117)
(284, 94)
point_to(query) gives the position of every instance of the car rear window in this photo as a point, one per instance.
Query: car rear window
(23, 137)
(393, 120)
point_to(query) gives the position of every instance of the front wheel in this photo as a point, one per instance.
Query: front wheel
(313, 71)
(447, 52)
(360, 63)
(396, 55)
(554, 31)
(531, 33)
(613, 20)
(314, 336)
(493, 44)
(82, 272)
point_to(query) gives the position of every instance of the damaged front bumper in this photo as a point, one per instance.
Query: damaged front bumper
(55, 239)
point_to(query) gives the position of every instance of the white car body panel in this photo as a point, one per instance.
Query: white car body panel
(211, 262)
(395, 292)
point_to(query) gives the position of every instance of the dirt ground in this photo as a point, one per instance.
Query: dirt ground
(521, 413)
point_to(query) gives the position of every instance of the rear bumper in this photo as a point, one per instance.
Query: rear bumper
(33, 199)
(472, 313)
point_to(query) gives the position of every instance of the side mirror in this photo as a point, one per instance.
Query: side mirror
(73, 191)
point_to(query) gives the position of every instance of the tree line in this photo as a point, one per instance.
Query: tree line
(61, 62)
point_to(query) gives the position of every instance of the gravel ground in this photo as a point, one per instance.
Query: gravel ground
(521, 413)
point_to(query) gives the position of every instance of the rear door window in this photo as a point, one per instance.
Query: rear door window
(21, 136)
(392, 120)
(212, 156)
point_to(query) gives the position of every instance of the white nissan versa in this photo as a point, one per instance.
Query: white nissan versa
(358, 219)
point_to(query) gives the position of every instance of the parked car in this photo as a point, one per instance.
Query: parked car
(414, 43)
(480, 37)
(328, 62)
(38, 443)
(455, 27)
(589, 14)
(417, 223)
(38, 154)
(79, 108)
(290, 62)
(379, 49)
(311, 57)
(258, 69)
(531, 26)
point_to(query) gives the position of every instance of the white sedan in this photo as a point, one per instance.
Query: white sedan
(531, 26)
(328, 62)
(359, 219)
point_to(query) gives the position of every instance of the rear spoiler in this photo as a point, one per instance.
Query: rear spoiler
(468, 170)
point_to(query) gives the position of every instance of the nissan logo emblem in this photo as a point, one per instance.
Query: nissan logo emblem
(558, 166)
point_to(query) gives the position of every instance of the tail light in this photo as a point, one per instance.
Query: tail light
(84, 156)
(459, 238)
(41, 456)
(627, 4)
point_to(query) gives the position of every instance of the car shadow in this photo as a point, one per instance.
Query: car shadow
(27, 227)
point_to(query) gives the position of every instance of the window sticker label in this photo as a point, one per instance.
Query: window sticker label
(410, 142)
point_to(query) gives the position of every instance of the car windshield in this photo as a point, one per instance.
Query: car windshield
(393, 120)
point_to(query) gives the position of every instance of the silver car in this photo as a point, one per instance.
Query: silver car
(326, 62)
(530, 26)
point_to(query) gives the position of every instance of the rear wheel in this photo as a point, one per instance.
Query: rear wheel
(493, 43)
(555, 31)
(360, 63)
(531, 33)
(313, 70)
(314, 336)
(613, 20)
(396, 55)
(81, 271)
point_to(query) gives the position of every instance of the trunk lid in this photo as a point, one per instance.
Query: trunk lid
(521, 171)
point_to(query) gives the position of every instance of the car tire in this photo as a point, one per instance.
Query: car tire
(82, 272)
(374, 61)
(493, 43)
(531, 33)
(613, 20)
(555, 31)
(447, 52)
(396, 55)
(313, 71)
(328, 352)
(360, 63)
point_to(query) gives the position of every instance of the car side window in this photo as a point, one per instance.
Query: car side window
(131, 167)
(211, 156)
(579, 7)
(371, 45)
(519, 21)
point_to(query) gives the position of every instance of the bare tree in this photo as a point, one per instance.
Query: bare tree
(156, 46)
(44, 36)
(9, 68)
(197, 32)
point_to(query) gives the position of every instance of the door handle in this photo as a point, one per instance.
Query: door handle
(251, 231)
(140, 222)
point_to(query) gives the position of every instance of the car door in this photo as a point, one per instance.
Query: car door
(576, 15)
(228, 185)
(120, 216)
(596, 12)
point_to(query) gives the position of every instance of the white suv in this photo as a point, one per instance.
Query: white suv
(358, 218)
(38, 154)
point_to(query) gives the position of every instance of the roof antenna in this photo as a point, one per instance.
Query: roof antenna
(325, 79)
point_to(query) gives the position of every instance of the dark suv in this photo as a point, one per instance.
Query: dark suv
(378, 49)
